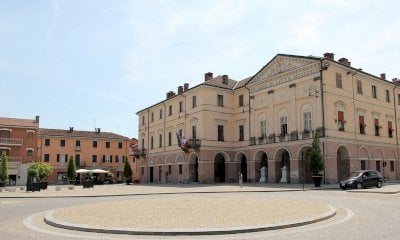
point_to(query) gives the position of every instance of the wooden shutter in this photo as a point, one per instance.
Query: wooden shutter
(340, 116)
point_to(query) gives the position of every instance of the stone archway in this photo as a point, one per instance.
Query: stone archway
(261, 160)
(304, 157)
(343, 162)
(282, 166)
(193, 168)
(243, 167)
(219, 168)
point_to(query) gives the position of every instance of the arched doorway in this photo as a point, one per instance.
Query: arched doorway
(243, 167)
(219, 168)
(343, 162)
(194, 168)
(304, 170)
(282, 166)
(261, 160)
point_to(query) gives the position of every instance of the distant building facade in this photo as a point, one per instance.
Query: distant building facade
(210, 132)
(90, 150)
(18, 138)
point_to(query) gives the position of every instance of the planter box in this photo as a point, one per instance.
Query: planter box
(36, 186)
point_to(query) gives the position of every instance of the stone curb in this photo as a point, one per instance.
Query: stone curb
(49, 219)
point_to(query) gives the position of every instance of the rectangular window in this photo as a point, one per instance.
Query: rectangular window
(120, 145)
(47, 142)
(46, 157)
(398, 99)
(160, 140)
(284, 127)
(194, 102)
(392, 166)
(143, 123)
(108, 144)
(170, 110)
(77, 143)
(142, 170)
(62, 157)
(152, 117)
(359, 87)
(94, 144)
(29, 152)
(151, 142)
(180, 168)
(94, 158)
(142, 143)
(263, 128)
(160, 113)
(241, 133)
(181, 106)
(362, 124)
(220, 133)
(62, 142)
(77, 160)
(220, 100)
(390, 129)
(363, 165)
(307, 122)
(340, 121)
(240, 100)
(169, 138)
(194, 132)
(373, 91)
(338, 80)
(30, 134)
(169, 169)
(387, 95)
(376, 126)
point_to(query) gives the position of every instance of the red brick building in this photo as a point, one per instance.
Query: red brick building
(18, 138)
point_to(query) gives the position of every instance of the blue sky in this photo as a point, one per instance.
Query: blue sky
(92, 64)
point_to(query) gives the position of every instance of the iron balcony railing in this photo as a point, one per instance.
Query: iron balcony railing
(11, 141)
(292, 136)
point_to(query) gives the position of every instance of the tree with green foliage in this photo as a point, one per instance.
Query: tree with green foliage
(127, 168)
(71, 171)
(4, 166)
(40, 171)
(127, 171)
(316, 159)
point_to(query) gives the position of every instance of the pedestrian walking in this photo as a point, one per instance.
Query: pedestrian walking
(240, 179)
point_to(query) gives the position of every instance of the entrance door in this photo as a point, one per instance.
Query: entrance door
(151, 174)
(219, 168)
(243, 168)
(378, 166)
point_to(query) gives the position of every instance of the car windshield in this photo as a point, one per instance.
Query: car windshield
(355, 174)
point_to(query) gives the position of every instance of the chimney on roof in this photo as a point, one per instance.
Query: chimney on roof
(330, 56)
(180, 90)
(345, 62)
(37, 119)
(396, 81)
(383, 76)
(97, 130)
(71, 129)
(208, 76)
(185, 87)
(170, 94)
(225, 79)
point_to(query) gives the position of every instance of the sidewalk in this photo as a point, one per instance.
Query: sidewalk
(152, 189)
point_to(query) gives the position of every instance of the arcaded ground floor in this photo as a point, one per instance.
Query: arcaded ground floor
(273, 163)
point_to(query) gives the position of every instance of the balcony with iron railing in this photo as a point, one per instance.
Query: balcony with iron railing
(292, 136)
(11, 141)
(193, 144)
(138, 153)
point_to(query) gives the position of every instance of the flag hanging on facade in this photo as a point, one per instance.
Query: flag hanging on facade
(179, 138)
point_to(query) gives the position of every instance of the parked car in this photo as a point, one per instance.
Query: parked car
(362, 179)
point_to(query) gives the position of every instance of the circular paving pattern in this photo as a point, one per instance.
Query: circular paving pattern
(189, 215)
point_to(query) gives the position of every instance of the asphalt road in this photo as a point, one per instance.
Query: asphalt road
(359, 216)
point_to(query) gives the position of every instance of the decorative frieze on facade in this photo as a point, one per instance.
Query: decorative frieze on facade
(266, 80)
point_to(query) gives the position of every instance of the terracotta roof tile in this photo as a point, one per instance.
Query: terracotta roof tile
(17, 122)
(79, 134)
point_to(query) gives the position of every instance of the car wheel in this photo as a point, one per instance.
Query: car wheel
(359, 185)
(343, 188)
(379, 184)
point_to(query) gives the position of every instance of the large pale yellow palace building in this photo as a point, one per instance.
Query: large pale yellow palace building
(263, 125)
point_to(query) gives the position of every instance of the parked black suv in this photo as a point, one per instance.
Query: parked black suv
(362, 179)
